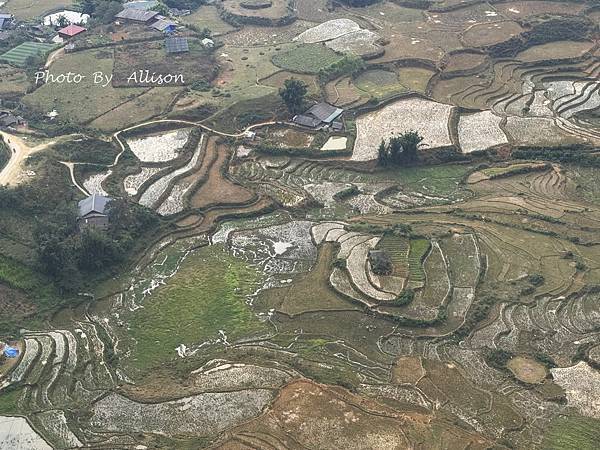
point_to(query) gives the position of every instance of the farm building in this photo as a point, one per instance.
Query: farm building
(5, 21)
(93, 212)
(320, 115)
(208, 43)
(177, 45)
(164, 26)
(137, 15)
(8, 119)
(70, 31)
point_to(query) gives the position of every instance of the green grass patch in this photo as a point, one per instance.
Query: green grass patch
(379, 83)
(573, 433)
(19, 55)
(308, 58)
(9, 399)
(417, 251)
(205, 296)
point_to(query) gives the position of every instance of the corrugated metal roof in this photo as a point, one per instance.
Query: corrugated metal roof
(324, 112)
(162, 25)
(94, 203)
(177, 45)
(139, 15)
(306, 121)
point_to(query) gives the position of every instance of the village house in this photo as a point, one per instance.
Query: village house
(207, 43)
(164, 25)
(7, 119)
(70, 31)
(5, 21)
(321, 115)
(137, 16)
(93, 212)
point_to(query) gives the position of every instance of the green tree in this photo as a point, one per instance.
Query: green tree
(293, 93)
(399, 150)
(62, 21)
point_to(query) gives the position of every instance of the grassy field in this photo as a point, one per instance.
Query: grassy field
(417, 251)
(207, 16)
(12, 81)
(186, 312)
(68, 99)
(19, 55)
(379, 83)
(573, 433)
(29, 9)
(307, 58)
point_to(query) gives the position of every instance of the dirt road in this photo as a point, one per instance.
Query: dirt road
(20, 150)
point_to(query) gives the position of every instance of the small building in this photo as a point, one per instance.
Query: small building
(164, 26)
(7, 119)
(207, 43)
(321, 115)
(5, 21)
(93, 212)
(137, 15)
(175, 45)
(70, 31)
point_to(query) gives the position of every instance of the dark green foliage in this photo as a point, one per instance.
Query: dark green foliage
(576, 154)
(535, 279)
(89, 150)
(4, 153)
(405, 297)
(348, 65)
(101, 11)
(498, 358)
(346, 193)
(381, 263)
(400, 150)
(293, 93)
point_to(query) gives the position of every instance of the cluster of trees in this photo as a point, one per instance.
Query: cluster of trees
(64, 253)
(348, 65)
(68, 255)
(400, 150)
(100, 11)
(293, 94)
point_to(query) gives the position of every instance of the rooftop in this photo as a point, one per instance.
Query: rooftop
(163, 24)
(177, 45)
(324, 112)
(71, 30)
(139, 15)
(93, 204)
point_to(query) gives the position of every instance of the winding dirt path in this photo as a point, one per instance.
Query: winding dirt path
(71, 167)
(20, 150)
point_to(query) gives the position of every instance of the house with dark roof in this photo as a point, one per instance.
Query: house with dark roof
(321, 115)
(137, 15)
(70, 31)
(7, 119)
(5, 20)
(93, 212)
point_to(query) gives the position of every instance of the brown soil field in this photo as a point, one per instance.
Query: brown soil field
(318, 416)
(14, 303)
(217, 189)
(555, 50)
(407, 369)
(196, 65)
(482, 35)
(527, 369)
(464, 61)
